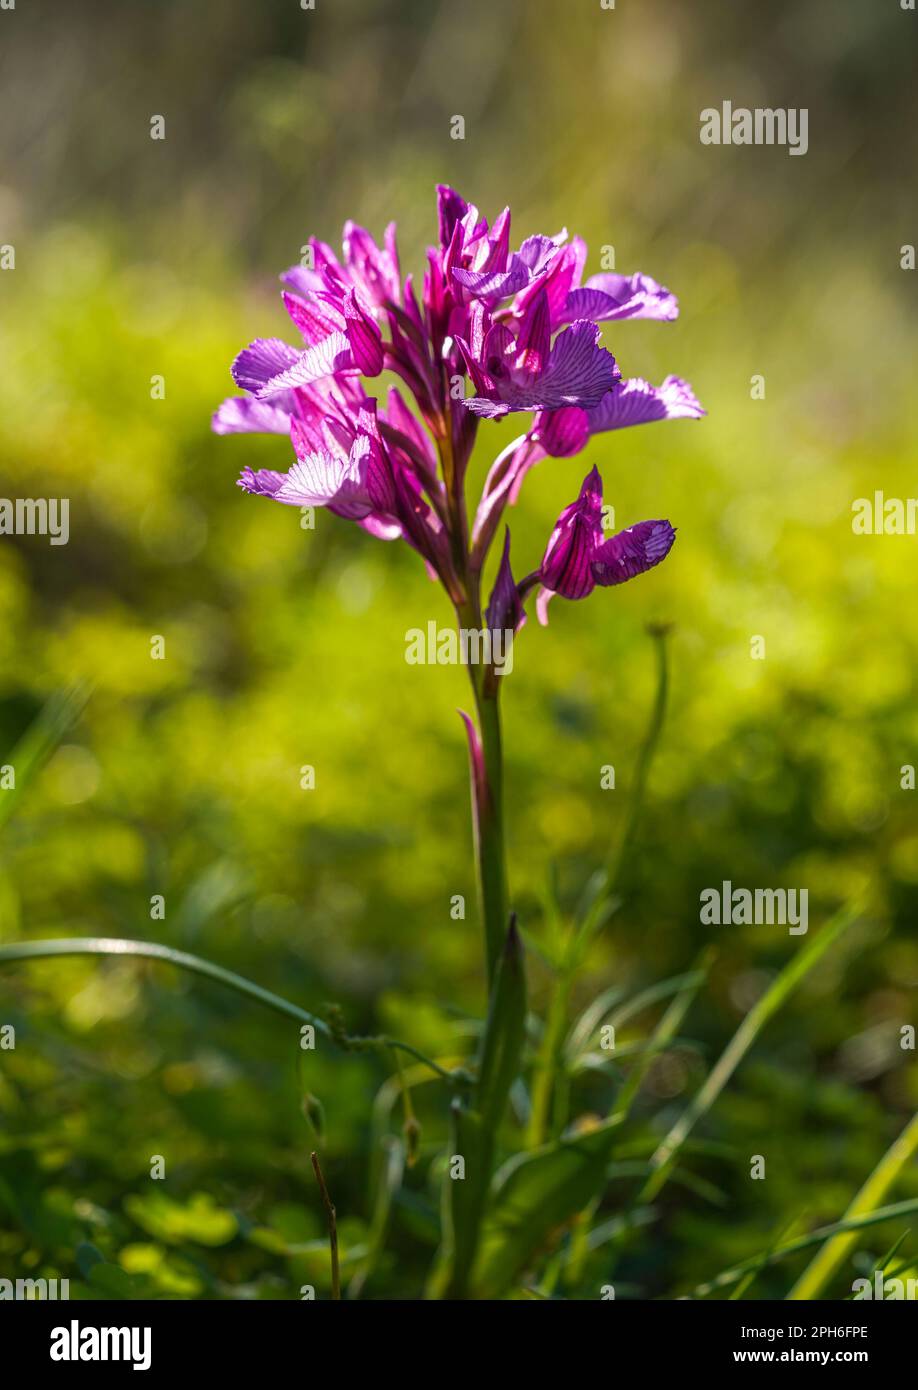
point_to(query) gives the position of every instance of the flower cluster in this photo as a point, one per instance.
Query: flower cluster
(492, 332)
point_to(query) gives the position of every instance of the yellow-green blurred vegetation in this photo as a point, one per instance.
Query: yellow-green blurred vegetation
(136, 258)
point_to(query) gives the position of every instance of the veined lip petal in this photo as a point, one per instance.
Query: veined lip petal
(609, 297)
(636, 402)
(261, 362)
(246, 415)
(323, 480)
(632, 552)
(328, 357)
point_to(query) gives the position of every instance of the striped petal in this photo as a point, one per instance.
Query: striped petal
(636, 402)
(632, 552)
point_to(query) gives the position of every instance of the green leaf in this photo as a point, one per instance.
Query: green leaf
(533, 1194)
(464, 1200)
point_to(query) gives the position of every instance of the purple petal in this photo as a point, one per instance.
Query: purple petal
(332, 355)
(498, 242)
(245, 415)
(371, 269)
(632, 552)
(262, 360)
(451, 208)
(636, 402)
(533, 345)
(556, 280)
(325, 480)
(537, 251)
(494, 285)
(421, 528)
(313, 318)
(390, 241)
(303, 281)
(609, 297)
(579, 372)
(364, 337)
(566, 566)
(505, 612)
(563, 432)
(264, 482)
(369, 456)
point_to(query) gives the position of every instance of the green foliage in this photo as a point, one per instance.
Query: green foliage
(533, 1195)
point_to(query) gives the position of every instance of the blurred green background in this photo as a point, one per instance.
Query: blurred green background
(136, 258)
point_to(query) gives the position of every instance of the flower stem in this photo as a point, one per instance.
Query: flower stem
(332, 1221)
(492, 866)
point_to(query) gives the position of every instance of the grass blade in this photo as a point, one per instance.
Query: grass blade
(848, 1225)
(773, 998)
(154, 950)
(825, 1263)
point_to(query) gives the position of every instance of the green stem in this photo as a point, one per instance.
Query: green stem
(473, 1126)
(118, 946)
(492, 866)
(332, 1222)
